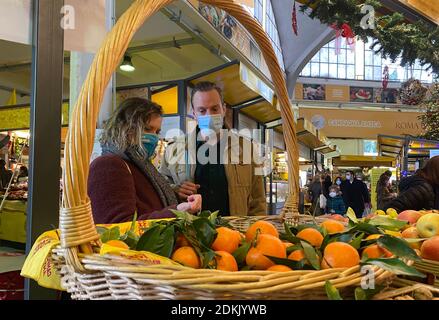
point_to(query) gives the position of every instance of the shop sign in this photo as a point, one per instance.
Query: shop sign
(83, 21)
(338, 93)
(339, 123)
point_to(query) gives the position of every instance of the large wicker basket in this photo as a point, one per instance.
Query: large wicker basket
(89, 276)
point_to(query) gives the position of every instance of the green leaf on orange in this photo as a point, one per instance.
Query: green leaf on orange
(356, 242)
(240, 253)
(397, 246)
(295, 265)
(311, 254)
(395, 266)
(388, 223)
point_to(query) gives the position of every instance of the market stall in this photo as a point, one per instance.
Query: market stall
(14, 191)
(411, 152)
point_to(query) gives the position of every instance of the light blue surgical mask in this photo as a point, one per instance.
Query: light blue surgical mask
(149, 142)
(210, 123)
(338, 182)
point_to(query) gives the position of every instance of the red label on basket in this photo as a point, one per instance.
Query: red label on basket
(47, 267)
(44, 241)
(140, 257)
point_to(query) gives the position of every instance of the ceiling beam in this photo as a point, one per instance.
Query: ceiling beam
(132, 50)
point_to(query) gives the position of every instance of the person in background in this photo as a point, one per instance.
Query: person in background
(355, 194)
(5, 174)
(315, 191)
(339, 182)
(232, 187)
(22, 174)
(420, 191)
(335, 203)
(327, 183)
(123, 180)
(384, 191)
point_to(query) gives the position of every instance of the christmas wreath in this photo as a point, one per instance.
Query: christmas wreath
(393, 36)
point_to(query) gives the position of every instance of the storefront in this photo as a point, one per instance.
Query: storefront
(411, 153)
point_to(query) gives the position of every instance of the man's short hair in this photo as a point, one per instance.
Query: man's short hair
(205, 86)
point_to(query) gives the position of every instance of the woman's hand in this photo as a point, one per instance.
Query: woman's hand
(187, 189)
(192, 206)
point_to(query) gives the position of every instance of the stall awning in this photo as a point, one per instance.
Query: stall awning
(363, 161)
(234, 90)
(262, 111)
(243, 90)
(394, 146)
(310, 136)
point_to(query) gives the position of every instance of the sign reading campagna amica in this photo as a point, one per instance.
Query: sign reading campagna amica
(338, 123)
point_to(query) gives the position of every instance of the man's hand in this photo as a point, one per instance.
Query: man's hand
(192, 206)
(187, 189)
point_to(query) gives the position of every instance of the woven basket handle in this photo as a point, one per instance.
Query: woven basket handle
(76, 221)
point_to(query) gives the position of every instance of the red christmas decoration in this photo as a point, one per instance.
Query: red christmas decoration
(344, 31)
(294, 18)
(385, 77)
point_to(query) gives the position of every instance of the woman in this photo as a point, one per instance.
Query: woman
(335, 203)
(338, 181)
(420, 191)
(384, 191)
(123, 180)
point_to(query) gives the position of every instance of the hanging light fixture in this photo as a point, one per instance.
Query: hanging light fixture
(127, 64)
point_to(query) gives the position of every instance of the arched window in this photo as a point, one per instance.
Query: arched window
(360, 64)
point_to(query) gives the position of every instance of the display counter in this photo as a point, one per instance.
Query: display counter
(279, 192)
(13, 221)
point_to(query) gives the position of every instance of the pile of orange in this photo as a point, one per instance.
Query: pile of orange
(265, 242)
(226, 242)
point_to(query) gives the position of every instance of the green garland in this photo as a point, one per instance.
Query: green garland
(430, 118)
(393, 37)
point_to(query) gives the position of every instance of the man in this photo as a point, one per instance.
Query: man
(5, 174)
(355, 194)
(327, 183)
(230, 181)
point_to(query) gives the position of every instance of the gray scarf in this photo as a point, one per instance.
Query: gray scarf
(160, 184)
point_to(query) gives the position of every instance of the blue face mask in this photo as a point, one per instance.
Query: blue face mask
(149, 142)
(213, 122)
